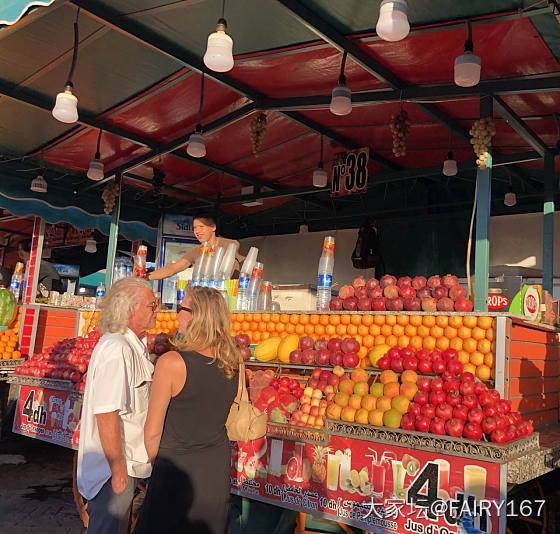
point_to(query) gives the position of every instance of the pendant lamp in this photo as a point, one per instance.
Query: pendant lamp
(341, 98)
(219, 49)
(467, 65)
(196, 146)
(392, 24)
(320, 178)
(96, 167)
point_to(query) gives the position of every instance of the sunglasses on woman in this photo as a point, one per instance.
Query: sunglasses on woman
(184, 308)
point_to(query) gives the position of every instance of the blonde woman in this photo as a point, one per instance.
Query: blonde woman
(185, 434)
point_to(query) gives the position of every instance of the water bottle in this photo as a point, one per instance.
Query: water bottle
(265, 297)
(17, 279)
(99, 294)
(244, 278)
(254, 286)
(324, 274)
(205, 261)
(181, 286)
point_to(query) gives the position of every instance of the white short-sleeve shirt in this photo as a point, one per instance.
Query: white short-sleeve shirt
(119, 379)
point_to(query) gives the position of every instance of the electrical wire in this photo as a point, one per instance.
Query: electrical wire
(199, 124)
(342, 77)
(75, 52)
(469, 243)
(97, 152)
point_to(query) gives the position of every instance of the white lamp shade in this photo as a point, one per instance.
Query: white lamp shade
(449, 167)
(510, 199)
(303, 229)
(39, 184)
(66, 107)
(91, 246)
(392, 24)
(196, 146)
(95, 171)
(320, 178)
(341, 100)
(219, 52)
(467, 69)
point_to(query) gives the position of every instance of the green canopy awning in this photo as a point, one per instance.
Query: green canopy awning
(12, 10)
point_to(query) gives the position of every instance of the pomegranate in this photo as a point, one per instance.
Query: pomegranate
(449, 280)
(359, 281)
(457, 292)
(387, 280)
(379, 304)
(407, 292)
(434, 281)
(445, 304)
(391, 292)
(361, 292)
(418, 282)
(396, 304)
(463, 305)
(424, 293)
(404, 281)
(364, 304)
(412, 304)
(350, 303)
(439, 292)
(371, 283)
(429, 304)
(336, 304)
(345, 292)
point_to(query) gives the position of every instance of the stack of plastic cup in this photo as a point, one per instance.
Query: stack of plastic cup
(204, 272)
(214, 270)
(244, 277)
(196, 271)
(226, 268)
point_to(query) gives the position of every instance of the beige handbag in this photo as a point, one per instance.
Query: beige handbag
(244, 422)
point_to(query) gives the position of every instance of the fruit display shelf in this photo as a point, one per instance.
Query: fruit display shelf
(52, 383)
(297, 433)
(7, 366)
(478, 450)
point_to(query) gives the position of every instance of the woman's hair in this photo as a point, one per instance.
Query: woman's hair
(210, 328)
(119, 302)
(207, 218)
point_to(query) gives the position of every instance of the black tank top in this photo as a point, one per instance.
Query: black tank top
(196, 417)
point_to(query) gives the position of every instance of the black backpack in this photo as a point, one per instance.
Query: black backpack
(366, 253)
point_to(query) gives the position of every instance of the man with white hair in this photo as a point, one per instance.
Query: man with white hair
(111, 454)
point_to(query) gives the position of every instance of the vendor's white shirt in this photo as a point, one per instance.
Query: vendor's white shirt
(119, 379)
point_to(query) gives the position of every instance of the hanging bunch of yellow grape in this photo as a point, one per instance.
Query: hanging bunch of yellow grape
(257, 128)
(482, 132)
(109, 195)
(400, 126)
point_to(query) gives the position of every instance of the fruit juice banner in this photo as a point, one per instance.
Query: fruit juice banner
(350, 175)
(51, 415)
(372, 486)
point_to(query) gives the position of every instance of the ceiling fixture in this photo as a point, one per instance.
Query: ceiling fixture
(39, 184)
(219, 50)
(303, 228)
(91, 246)
(510, 198)
(196, 147)
(467, 65)
(341, 99)
(392, 24)
(320, 178)
(66, 105)
(450, 164)
(95, 171)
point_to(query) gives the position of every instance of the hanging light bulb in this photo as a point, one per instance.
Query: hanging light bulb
(91, 246)
(196, 146)
(303, 228)
(66, 105)
(320, 178)
(219, 49)
(95, 171)
(467, 65)
(510, 198)
(341, 98)
(392, 24)
(450, 165)
(39, 184)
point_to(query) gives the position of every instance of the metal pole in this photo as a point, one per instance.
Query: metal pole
(548, 223)
(113, 237)
(482, 244)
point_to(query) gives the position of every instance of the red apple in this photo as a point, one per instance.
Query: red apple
(345, 292)
(306, 343)
(321, 343)
(384, 363)
(242, 340)
(397, 364)
(410, 362)
(349, 344)
(308, 357)
(334, 344)
(424, 366)
(350, 359)
(296, 356)
(424, 293)
(323, 356)
(336, 357)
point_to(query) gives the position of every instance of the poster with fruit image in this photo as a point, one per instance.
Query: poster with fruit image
(377, 487)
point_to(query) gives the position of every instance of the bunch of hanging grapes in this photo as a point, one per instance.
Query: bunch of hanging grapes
(257, 128)
(482, 132)
(400, 127)
(110, 193)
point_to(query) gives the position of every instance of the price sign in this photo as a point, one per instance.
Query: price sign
(351, 175)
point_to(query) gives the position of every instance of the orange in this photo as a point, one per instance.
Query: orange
(279, 327)
(410, 330)
(333, 319)
(476, 358)
(450, 332)
(256, 337)
(270, 327)
(290, 328)
(428, 320)
(236, 327)
(485, 322)
(352, 330)
(436, 331)
(416, 342)
(415, 320)
(314, 319)
(345, 318)
(469, 368)
(456, 343)
(160, 316)
(398, 330)
(380, 340)
(319, 330)
(245, 325)
(266, 317)
(379, 319)
(470, 344)
(265, 335)
(257, 317)
(442, 343)
(391, 320)
(490, 334)
(356, 319)
(403, 319)
(374, 330)
(341, 330)
(429, 343)
(483, 372)
(367, 320)
(300, 329)
(294, 318)
(284, 318)
(309, 329)
(484, 346)
(363, 330)
(403, 341)
(323, 319)
(238, 316)
(368, 341)
(392, 340)
(423, 331)
(442, 321)
(249, 317)
(478, 333)
(489, 360)
(470, 321)
(16, 354)
(463, 356)
(463, 332)
(330, 330)
(358, 338)
(303, 319)
(254, 326)
(386, 330)
(262, 327)
(362, 353)
(6, 356)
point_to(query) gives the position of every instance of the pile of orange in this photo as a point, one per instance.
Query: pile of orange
(166, 323)
(471, 336)
(8, 344)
